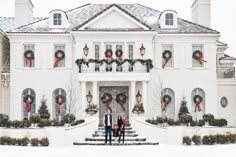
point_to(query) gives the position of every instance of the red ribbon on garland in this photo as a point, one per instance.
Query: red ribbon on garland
(137, 106)
(28, 106)
(30, 60)
(59, 106)
(107, 103)
(198, 107)
(200, 60)
(166, 61)
(109, 56)
(167, 102)
(57, 61)
(119, 56)
(122, 104)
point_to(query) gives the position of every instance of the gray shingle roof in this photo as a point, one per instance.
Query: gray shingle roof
(80, 16)
(227, 57)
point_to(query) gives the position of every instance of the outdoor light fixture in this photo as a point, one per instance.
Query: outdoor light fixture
(89, 97)
(86, 50)
(142, 50)
(138, 97)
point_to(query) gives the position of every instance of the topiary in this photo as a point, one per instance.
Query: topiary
(43, 111)
(196, 140)
(25, 141)
(171, 122)
(44, 142)
(183, 108)
(206, 140)
(213, 139)
(193, 123)
(3, 120)
(201, 122)
(34, 142)
(208, 117)
(185, 118)
(69, 118)
(34, 118)
(187, 140)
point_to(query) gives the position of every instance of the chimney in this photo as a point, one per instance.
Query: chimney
(201, 12)
(23, 12)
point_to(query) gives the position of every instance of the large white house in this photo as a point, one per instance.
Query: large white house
(116, 52)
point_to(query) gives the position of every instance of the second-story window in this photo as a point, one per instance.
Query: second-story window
(57, 19)
(167, 56)
(59, 56)
(29, 57)
(197, 56)
(169, 19)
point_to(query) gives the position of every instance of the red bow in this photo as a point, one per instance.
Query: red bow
(166, 61)
(30, 59)
(137, 106)
(28, 106)
(59, 106)
(57, 62)
(122, 104)
(107, 102)
(167, 102)
(200, 60)
(198, 107)
(109, 56)
(119, 56)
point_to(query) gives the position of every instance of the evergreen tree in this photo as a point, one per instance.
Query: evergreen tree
(183, 107)
(43, 111)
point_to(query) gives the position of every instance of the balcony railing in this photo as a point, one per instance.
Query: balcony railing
(115, 65)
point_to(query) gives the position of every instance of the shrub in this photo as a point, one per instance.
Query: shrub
(187, 140)
(232, 138)
(201, 122)
(77, 122)
(193, 123)
(206, 140)
(183, 108)
(3, 119)
(5, 140)
(171, 122)
(8, 124)
(13, 141)
(43, 111)
(26, 123)
(185, 118)
(34, 142)
(19, 142)
(25, 141)
(221, 139)
(208, 117)
(44, 142)
(159, 120)
(16, 124)
(177, 122)
(218, 122)
(196, 140)
(69, 118)
(34, 118)
(213, 139)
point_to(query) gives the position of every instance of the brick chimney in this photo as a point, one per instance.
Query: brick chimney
(201, 12)
(23, 12)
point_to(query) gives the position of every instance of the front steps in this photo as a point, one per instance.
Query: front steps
(131, 138)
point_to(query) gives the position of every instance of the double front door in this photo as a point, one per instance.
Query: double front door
(117, 100)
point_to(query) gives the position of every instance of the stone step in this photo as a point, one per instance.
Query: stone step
(101, 125)
(126, 131)
(117, 144)
(126, 135)
(126, 139)
(103, 128)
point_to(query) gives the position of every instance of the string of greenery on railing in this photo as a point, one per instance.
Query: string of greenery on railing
(146, 62)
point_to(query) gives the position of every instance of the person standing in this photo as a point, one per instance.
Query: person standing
(107, 121)
(122, 128)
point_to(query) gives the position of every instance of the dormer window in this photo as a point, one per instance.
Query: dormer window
(57, 19)
(169, 19)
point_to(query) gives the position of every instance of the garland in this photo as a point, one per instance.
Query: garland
(59, 101)
(121, 99)
(60, 55)
(166, 100)
(197, 99)
(138, 108)
(119, 54)
(108, 54)
(167, 54)
(29, 56)
(198, 56)
(28, 99)
(106, 99)
(91, 109)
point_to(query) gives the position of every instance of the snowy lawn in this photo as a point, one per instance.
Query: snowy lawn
(121, 151)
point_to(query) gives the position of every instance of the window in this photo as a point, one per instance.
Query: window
(168, 103)
(28, 102)
(198, 103)
(167, 56)
(59, 103)
(57, 19)
(59, 57)
(195, 62)
(224, 102)
(29, 57)
(169, 19)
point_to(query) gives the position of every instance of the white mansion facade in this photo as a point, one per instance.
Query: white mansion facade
(114, 52)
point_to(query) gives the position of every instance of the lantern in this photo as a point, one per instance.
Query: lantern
(142, 50)
(89, 97)
(138, 97)
(86, 50)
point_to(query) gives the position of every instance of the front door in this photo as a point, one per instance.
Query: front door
(118, 107)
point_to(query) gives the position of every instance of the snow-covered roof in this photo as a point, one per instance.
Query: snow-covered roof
(227, 57)
(79, 16)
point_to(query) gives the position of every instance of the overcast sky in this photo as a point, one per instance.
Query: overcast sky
(223, 12)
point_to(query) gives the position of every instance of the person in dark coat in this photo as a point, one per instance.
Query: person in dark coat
(107, 121)
(123, 122)
(115, 132)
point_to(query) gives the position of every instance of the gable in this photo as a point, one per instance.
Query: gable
(114, 18)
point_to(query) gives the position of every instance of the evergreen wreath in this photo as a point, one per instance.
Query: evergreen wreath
(166, 53)
(119, 51)
(108, 51)
(28, 96)
(60, 53)
(29, 52)
(63, 99)
(166, 97)
(106, 97)
(197, 97)
(121, 99)
(197, 53)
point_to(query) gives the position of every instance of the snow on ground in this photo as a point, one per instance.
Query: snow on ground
(121, 151)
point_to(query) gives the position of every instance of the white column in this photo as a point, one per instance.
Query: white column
(144, 84)
(83, 99)
(95, 92)
(132, 97)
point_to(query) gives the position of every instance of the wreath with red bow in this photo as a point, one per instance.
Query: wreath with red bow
(166, 55)
(198, 56)
(106, 99)
(28, 99)
(59, 101)
(109, 54)
(197, 99)
(59, 55)
(166, 100)
(29, 57)
(119, 54)
(121, 99)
